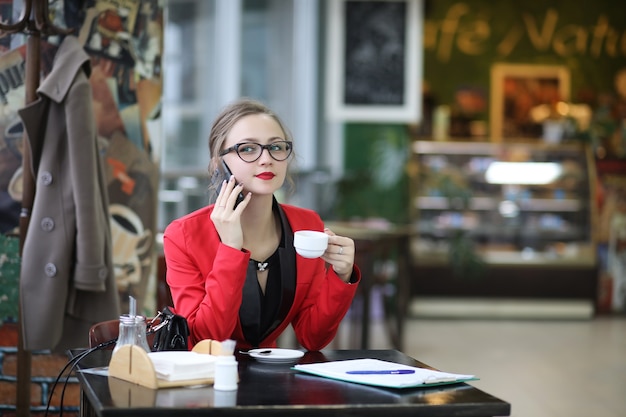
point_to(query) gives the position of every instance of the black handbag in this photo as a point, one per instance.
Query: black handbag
(171, 333)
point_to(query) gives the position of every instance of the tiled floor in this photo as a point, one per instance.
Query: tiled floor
(556, 368)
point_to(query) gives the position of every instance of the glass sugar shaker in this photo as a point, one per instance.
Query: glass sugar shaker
(132, 332)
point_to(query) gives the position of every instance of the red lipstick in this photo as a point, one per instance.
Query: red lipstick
(266, 175)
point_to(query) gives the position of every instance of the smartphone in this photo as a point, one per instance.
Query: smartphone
(227, 174)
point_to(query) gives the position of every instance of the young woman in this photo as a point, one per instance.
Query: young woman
(231, 267)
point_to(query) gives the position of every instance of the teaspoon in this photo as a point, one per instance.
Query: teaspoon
(262, 352)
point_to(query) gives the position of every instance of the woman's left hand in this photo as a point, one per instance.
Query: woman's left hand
(340, 254)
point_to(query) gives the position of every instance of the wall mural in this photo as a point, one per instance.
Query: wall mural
(124, 40)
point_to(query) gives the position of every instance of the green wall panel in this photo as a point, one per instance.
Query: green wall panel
(375, 182)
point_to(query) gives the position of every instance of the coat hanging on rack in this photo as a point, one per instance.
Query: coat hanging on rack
(67, 279)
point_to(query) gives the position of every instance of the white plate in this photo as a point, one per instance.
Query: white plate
(276, 355)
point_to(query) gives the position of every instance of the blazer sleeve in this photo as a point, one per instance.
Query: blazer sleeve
(206, 284)
(325, 306)
(328, 298)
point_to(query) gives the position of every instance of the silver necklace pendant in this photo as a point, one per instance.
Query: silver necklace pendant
(261, 266)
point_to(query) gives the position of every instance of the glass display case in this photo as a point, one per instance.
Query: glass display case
(517, 215)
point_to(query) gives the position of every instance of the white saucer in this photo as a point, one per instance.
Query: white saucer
(276, 355)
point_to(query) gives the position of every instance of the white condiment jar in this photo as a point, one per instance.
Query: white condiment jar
(226, 373)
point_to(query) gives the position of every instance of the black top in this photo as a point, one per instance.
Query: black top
(261, 313)
(271, 299)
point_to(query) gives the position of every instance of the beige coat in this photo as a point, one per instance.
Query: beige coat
(67, 280)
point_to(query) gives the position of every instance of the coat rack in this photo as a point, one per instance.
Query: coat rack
(35, 23)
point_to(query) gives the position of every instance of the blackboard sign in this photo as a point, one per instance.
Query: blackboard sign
(375, 51)
(374, 68)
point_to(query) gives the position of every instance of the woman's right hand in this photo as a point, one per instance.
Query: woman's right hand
(226, 220)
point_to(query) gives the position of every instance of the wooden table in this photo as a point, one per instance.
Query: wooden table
(277, 390)
(376, 244)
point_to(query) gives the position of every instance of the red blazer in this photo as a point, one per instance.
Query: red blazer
(206, 279)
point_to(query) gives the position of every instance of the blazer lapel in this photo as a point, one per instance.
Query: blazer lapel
(287, 255)
(250, 309)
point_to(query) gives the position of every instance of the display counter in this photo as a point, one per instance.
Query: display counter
(503, 220)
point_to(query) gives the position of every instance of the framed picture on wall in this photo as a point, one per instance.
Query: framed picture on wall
(374, 60)
(523, 96)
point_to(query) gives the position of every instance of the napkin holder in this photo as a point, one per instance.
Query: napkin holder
(210, 347)
(132, 363)
(126, 394)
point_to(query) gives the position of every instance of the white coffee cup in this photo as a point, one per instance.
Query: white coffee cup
(310, 243)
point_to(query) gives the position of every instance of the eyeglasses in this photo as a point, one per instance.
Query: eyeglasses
(250, 151)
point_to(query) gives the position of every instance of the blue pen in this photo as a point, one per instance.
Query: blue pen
(383, 372)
